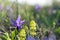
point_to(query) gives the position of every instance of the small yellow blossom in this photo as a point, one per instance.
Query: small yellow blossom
(22, 33)
(33, 33)
(32, 23)
(33, 28)
(21, 38)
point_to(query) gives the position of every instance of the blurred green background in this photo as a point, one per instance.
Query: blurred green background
(47, 17)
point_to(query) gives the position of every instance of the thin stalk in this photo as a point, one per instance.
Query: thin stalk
(17, 8)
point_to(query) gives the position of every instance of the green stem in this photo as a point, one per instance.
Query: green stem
(17, 9)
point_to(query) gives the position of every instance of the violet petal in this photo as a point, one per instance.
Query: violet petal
(38, 7)
(8, 8)
(18, 19)
(0, 7)
(30, 38)
(22, 21)
(19, 27)
(14, 23)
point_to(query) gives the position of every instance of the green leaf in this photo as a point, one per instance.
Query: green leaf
(12, 35)
(3, 37)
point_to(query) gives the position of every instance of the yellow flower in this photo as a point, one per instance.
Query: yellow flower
(21, 38)
(22, 33)
(32, 23)
(32, 33)
(33, 28)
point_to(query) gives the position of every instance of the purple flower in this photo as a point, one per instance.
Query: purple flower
(38, 7)
(18, 23)
(8, 8)
(45, 38)
(1, 7)
(30, 38)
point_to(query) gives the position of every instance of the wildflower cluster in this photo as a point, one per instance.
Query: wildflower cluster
(22, 34)
(32, 28)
